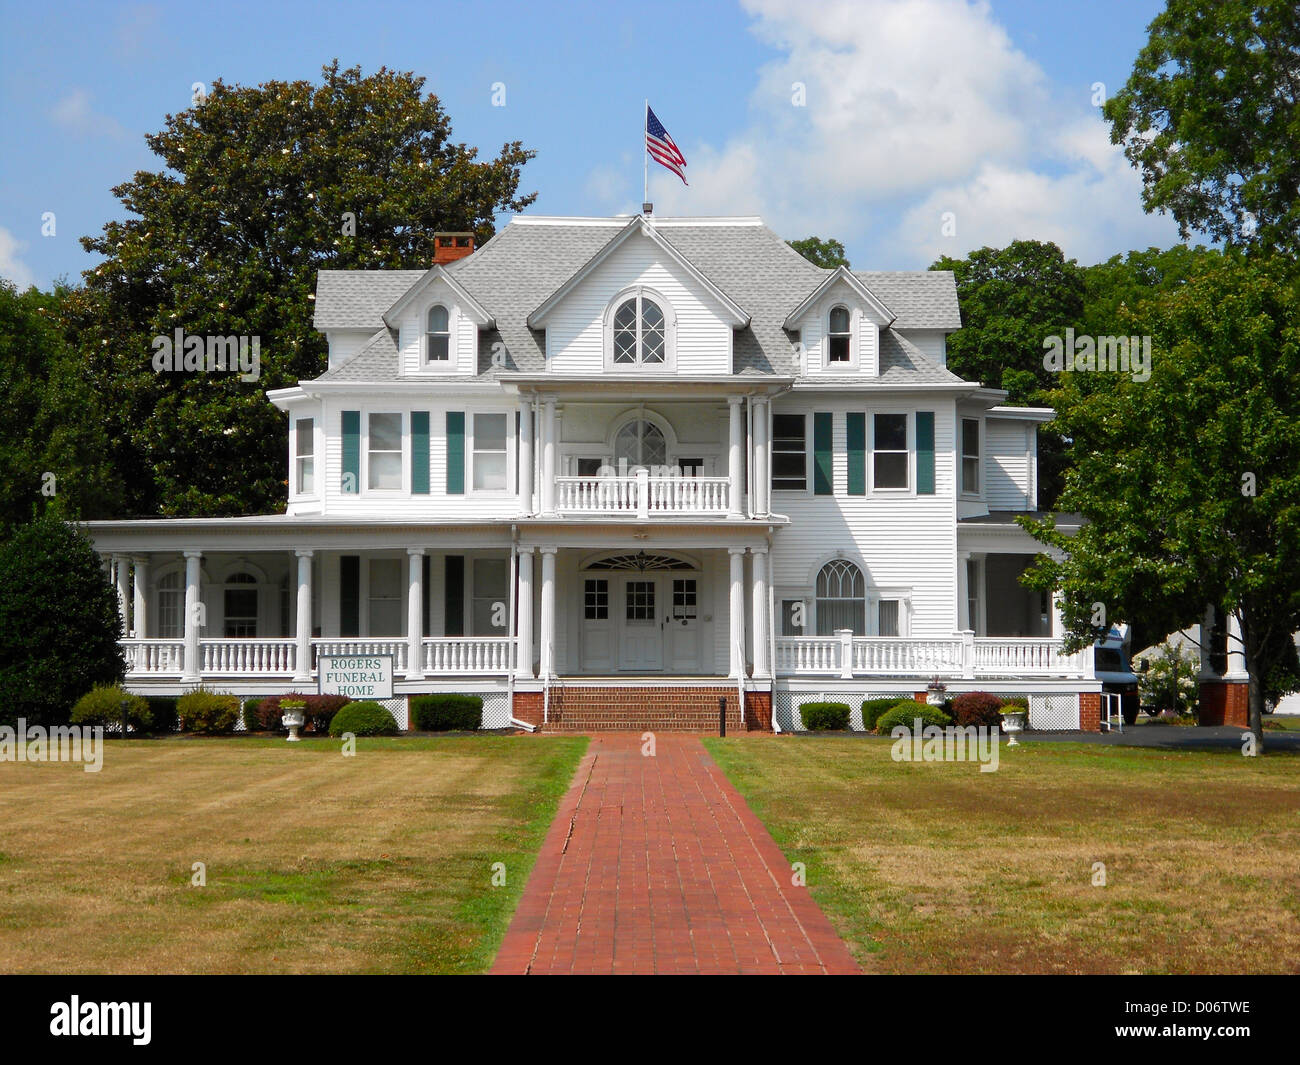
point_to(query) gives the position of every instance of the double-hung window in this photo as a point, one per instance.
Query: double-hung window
(970, 456)
(384, 456)
(889, 454)
(490, 452)
(789, 452)
(306, 450)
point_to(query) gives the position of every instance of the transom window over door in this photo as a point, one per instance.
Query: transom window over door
(640, 333)
(841, 598)
(640, 443)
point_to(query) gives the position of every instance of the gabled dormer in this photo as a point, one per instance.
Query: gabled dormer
(437, 323)
(839, 326)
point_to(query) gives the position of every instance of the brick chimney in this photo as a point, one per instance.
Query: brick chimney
(448, 247)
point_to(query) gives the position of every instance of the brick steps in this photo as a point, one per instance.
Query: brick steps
(592, 708)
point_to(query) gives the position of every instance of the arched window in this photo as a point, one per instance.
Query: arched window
(438, 335)
(240, 605)
(171, 601)
(841, 598)
(640, 443)
(640, 333)
(839, 335)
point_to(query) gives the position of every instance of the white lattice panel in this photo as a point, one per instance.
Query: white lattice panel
(397, 707)
(1056, 711)
(496, 709)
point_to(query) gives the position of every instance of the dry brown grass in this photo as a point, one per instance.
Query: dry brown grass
(315, 863)
(939, 868)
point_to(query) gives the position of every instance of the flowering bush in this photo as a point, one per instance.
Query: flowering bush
(1170, 680)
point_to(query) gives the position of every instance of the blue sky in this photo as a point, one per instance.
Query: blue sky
(914, 113)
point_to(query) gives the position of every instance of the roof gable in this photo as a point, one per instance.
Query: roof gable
(841, 275)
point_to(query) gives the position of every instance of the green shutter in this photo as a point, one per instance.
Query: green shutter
(351, 451)
(420, 452)
(823, 475)
(855, 433)
(453, 596)
(350, 595)
(455, 452)
(925, 452)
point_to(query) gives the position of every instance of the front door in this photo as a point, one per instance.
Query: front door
(682, 625)
(641, 643)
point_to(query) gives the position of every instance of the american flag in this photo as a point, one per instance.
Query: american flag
(661, 147)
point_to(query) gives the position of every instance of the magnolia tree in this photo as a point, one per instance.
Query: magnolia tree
(1190, 480)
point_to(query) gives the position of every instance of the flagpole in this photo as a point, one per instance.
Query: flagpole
(645, 155)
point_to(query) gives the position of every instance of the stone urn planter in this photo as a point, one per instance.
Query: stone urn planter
(1013, 721)
(935, 692)
(293, 715)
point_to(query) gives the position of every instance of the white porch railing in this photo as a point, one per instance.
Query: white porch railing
(848, 656)
(277, 656)
(642, 495)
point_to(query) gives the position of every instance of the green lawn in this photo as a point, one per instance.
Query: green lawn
(936, 867)
(316, 863)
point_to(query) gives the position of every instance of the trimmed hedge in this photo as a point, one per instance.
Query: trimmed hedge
(318, 712)
(978, 708)
(103, 705)
(208, 713)
(872, 709)
(366, 718)
(447, 713)
(907, 713)
(825, 717)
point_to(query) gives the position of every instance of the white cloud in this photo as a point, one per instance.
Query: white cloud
(76, 113)
(12, 268)
(913, 108)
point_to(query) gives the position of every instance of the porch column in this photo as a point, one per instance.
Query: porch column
(548, 455)
(548, 611)
(963, 592)
(120, 563)
(1236, 649)
(302, 622)
(524, 615)
(762, 639)
(415, 615)
(193, 615)
(762, 476)
(737, 630)
(140, 589)
(1206, 635)
(1058, 617)
(525, 454)
(735, 458)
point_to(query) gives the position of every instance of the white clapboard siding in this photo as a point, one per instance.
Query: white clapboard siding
(1007, 464)
(344, 343)
(933, 343)
(575, 328)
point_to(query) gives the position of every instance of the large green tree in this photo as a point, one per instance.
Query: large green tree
(1211, 117)
(1011, 299)
(59, 622)
(1190, 481)
(828, 253)
(53, 449)
(260, 188)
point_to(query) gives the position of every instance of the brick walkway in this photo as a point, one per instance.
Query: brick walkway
(657, 865)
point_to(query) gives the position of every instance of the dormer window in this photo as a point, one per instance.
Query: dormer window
(839, 336)
(437, 336)
(640, 330)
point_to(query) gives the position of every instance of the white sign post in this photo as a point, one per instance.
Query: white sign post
(356, 676)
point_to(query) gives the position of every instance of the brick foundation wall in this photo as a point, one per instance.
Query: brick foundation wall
(758, 711)
(1090, 711)
(527, 706)
(920, 697)
(1225, 702)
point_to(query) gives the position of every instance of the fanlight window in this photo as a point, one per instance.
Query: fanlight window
(640, 443)
(641, 563)
(841, 598)
(640, 335)
(438, 334)
(839, 335)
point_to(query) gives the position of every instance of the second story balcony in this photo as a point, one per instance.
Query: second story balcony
(643, 494)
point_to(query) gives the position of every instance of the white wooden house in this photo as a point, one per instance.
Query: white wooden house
(606, 471)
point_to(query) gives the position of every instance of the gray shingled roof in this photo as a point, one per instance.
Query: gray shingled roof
(515, 271)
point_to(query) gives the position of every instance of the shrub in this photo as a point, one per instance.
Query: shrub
(59, 623)
(447, 713)
(366, 718)
(163, 710)
(978, 708)
(104, 703)
(1019, 702)
(319, 711)
(824, 717)
(873, 708)
(907, 713)
(1170, 682)
(207, 712)
(250, 716)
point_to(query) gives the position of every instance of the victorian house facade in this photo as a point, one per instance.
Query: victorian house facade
(607, 471)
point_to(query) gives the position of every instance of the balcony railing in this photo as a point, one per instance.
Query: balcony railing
(643, 496)
(846, 656)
